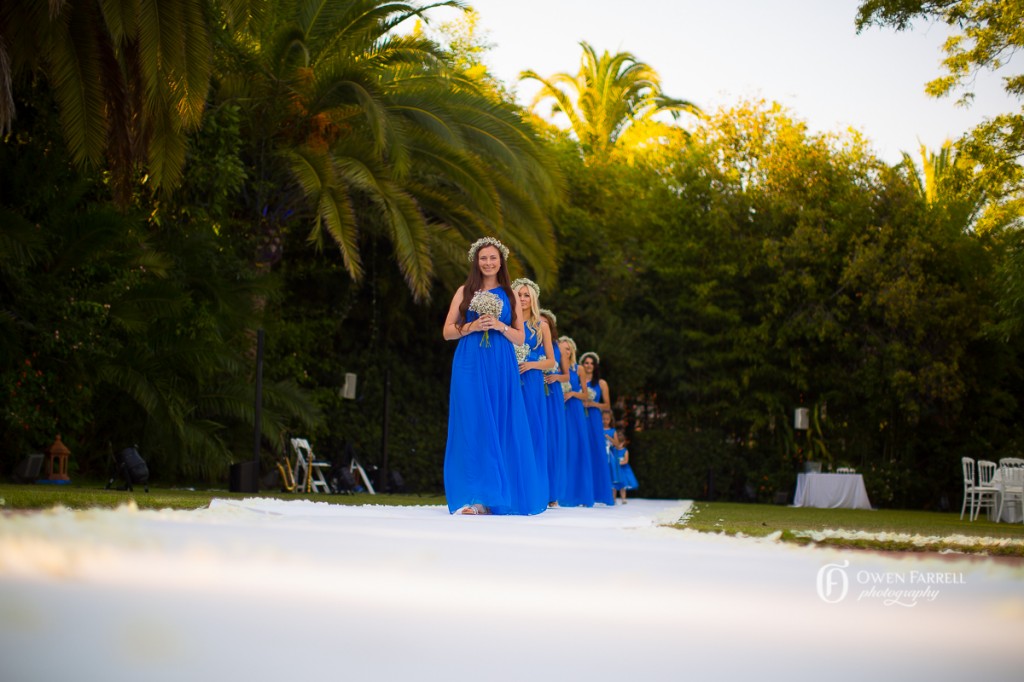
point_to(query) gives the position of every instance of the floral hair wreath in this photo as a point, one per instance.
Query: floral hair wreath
(590, 354)
(545, 311)
(524, 282)
(568, 340)
(487, 241)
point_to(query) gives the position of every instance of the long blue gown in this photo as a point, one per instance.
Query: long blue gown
(626, 479)
(603, 491)
(489, 457)
(579, 472)
(536, 408)
(556, 447)
(613, 464)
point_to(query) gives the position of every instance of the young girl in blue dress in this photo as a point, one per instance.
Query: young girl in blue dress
(607, 421)
(620, 454)
(489, 464)
(531, 370)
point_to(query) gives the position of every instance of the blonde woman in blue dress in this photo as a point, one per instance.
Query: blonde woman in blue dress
(489, 463)
(540, 357)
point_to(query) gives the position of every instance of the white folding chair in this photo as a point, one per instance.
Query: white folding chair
(309, 472)
(980, 496)
(353, 467)
(1011, 462)
(1011, 487)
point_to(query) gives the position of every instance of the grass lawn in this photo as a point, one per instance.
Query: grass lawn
(888, 529)
(884, 529)
(86, 495)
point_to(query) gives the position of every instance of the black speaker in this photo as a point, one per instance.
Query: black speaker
(244, 478)
(132, 469)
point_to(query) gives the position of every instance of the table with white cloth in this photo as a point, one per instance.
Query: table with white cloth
(1011, 512)
(831, 491)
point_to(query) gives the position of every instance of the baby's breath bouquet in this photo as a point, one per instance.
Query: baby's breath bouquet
(542, 358)
(486, 303)
(591, 395)
(522, 352)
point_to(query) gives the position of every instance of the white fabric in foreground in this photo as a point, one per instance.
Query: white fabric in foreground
(831, 491)
(260, 591)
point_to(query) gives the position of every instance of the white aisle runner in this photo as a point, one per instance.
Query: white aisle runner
(265, 589)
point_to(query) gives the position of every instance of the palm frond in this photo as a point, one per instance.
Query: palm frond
(410, 237)
(136, 310)
(197, 65)
(75, 73)
(21, 242)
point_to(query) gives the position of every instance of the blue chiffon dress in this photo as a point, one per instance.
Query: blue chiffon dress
(556, 445)
(532, 382)
(627, 479)
(603, 491)
(579, 472)
(613, 465)
(489, 457)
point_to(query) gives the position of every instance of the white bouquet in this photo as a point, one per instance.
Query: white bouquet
(522, 352)
(486, 303)
(547, 391)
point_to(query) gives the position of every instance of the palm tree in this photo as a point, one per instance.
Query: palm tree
(607, 97)
(946, 183)
(130, 78)
(361, 129)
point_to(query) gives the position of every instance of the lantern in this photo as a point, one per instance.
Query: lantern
(57, 463)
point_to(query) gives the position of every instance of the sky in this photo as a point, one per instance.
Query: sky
(805, 54)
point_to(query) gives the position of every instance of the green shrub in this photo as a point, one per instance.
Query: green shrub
(688, 465)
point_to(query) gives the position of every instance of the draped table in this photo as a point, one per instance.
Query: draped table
(831, 491)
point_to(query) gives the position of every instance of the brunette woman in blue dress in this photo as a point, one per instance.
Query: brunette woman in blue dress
(489, 463)
(596, 400)
(579, 472)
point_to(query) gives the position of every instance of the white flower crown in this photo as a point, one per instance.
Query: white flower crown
(568, 340)
(487, 241)
(523, 282)
(545, 311)
(591, 354)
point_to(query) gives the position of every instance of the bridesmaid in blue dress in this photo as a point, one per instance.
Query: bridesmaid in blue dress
(531, 372)
(489, 463)
(597, 400)
(609, 438)
(556, 448)
(579, 473)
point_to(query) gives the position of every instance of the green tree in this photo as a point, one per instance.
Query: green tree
(608, 96)
(360, 130)
(130, 78)
(126, 326)
(985, 36)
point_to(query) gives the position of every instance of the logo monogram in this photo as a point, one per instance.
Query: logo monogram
(833, 583)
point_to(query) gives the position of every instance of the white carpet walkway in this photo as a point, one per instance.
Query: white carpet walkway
(268, 589)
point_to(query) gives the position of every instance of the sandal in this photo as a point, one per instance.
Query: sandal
(473, 510)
